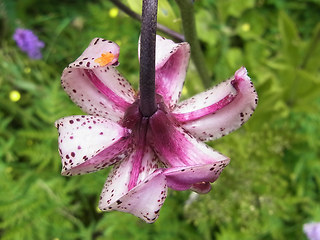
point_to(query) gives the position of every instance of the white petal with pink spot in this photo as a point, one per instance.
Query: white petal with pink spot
(81, 138)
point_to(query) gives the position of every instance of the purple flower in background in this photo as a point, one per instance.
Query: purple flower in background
(28, 43)
(149, 154)
(312, 230)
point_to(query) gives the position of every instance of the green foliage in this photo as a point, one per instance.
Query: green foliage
(166, 14)
(272, 185)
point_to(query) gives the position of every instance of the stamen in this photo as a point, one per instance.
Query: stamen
(107, 92)
(105, 59)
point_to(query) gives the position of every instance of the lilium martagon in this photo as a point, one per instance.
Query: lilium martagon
(148, 154)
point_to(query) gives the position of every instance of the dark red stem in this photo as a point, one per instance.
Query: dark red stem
(148, 104)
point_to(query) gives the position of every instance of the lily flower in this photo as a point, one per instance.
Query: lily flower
(148, 154)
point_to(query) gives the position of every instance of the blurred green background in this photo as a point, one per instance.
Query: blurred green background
(268, 191)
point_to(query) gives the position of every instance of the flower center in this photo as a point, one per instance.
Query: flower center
(134, 120)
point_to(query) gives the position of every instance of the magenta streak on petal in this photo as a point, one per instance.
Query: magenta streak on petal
(165, 140)
(173, 145)
(167, 84)
(194, 115)
(137, 159)
(120, 102)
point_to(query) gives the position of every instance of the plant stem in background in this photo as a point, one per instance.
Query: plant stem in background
(160, 27)
(190, 33)
(147, 57)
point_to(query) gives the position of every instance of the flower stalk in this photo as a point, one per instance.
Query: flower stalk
(190, 33)
(147, 57)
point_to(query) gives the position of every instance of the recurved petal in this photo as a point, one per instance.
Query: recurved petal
(201, 188)
(220, 110)
(171, 67)
(100, 52)
(196, 177)
(90, 143)
(145, 199)
(94, 84)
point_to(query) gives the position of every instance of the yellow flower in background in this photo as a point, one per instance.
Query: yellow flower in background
(14, 96)
(246, 27)
(113, 12)
(27, 70)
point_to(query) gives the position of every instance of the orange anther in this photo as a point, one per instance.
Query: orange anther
(105, 59)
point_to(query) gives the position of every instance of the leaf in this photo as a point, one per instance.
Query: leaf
(252, 25)
(166, 15)
(290, 39)
(233, 8)
(235, 58)
(205, 30)
(312, 52)
(307, 91)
